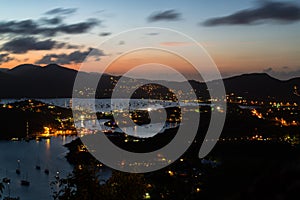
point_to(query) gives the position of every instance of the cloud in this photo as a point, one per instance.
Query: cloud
(51, 21)
(72, 58)
(175, 44)
(81, 27)
(279, 12)
(284, 73)
(61, 11)
(103, 34)
(4, 57)
(270, 69)
(68, 46)
(152, 34)
(24, 44)
(31, 27)
(168, 15)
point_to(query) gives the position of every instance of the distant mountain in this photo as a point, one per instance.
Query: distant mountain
(262, 86)
(35, 70)
(51, 81)
(25, 69)
(35, 81)
(54, 81)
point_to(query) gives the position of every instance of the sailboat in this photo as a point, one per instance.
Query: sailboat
(46, 171)
(18, 170)
(25, 181)
(6, 179)
(37, 166)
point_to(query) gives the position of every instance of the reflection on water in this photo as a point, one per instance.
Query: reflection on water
(104, 105)
(143, 131)
(49, 154)
(48, 143)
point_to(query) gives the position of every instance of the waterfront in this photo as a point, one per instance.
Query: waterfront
(49, 153)
(269, 135)
(104, 105)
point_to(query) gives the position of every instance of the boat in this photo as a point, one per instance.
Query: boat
(37, 166)
(18, 170)
(46, 171)
(57, 175)
(25, 181)
(6, 179)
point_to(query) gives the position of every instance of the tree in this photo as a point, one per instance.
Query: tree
(81, 184)
(124, 186)
(84, 184)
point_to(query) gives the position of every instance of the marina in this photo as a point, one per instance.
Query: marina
(26, 181)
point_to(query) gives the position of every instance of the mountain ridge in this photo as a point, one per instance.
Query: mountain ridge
(53, 81)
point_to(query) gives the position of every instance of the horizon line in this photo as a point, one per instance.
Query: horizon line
(90, 72)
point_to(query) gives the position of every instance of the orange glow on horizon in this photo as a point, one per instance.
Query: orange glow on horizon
(148, 56)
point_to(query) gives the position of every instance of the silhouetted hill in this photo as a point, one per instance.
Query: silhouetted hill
(261, 86)
(25, 70)
(54, 81)
(3, 74)
(35, 81)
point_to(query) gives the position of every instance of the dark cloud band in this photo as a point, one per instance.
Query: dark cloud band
(25, 44)
(103, 34)
(280, 12)
(31, 27)
(72, 58)
(168, 15)
(61, 11)
(4, 57)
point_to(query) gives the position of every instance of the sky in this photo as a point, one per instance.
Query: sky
(239, 36)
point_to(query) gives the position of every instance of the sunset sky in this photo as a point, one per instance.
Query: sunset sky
(240, 36)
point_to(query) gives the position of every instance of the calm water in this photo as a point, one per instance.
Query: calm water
(51, 153)
(104, 105)
(48, 153)
(143, 131)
